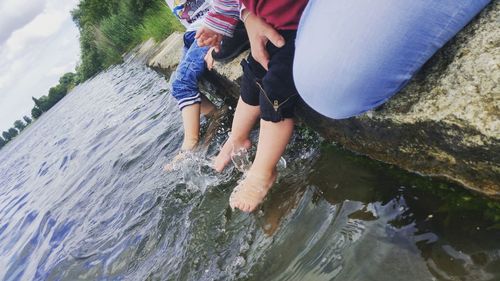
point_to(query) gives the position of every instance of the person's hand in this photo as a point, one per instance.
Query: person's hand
(209, 59)
(207, 37)
(259, 33)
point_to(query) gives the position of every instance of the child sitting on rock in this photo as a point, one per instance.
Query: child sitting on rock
(191, 67)
(267, 89)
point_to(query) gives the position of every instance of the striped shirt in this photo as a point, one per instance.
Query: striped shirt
(223, 16)
(280, 14)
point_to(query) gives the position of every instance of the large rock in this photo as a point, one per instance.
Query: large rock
(445, 123)
(168, 55)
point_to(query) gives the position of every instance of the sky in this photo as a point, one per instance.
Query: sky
(38, 44)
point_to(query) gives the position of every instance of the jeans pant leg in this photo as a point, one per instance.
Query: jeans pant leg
(185, 83)
(365, 51)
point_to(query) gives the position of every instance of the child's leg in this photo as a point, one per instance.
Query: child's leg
(191, 121)
(246, 114)
(277, 100)
(185, 90)
(273, 138)
(244, 119)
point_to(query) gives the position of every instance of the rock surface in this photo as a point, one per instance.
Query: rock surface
(445, 123)
(169, 54)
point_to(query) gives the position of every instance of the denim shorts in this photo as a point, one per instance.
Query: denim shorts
(191, 67)
(273, 90)
(352, 56)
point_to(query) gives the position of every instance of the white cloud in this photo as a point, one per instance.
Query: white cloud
(42, 26)
(35, 54)
(18, 6)
(60, 69)
(16, 13)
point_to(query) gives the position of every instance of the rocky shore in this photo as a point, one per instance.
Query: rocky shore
(445, 123)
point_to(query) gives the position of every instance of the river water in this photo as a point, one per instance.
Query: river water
(83, 197)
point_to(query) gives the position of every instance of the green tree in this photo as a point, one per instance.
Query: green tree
(6, 136)
(19, 125)
(36, 112)
(93, 11)
(55, 95)
(110, 28)
(44, 103)
(13, 133)
(27, 120)
(139, 7)
(37, 102)
(68, 79)
(2, 142)
(91, 58)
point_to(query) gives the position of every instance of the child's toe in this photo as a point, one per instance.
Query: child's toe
(232, 203)
(251, 208)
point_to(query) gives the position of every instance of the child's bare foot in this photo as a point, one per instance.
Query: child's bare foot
(187, 147)
(179, 157)
(251, 191)
(230, 146)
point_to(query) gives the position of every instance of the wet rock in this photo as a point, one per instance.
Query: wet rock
(445, 123)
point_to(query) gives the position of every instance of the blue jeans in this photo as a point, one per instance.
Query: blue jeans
(191, 67)
(370, 49)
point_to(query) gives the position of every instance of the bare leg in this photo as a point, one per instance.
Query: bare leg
(243, 121)
(273, 139)
(191, 122)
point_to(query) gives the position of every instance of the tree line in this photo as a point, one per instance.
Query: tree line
(42, 104)
(14, 131)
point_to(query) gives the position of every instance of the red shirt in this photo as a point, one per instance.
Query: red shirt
(281, 14)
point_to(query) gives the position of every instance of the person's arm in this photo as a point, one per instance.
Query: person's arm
(220, 21)
(223, 16)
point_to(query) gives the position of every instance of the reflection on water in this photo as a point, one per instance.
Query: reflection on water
(83, 197)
